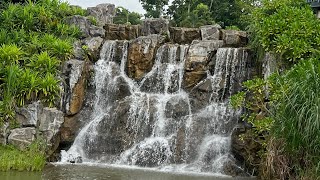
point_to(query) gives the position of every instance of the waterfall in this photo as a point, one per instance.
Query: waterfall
(155, 124)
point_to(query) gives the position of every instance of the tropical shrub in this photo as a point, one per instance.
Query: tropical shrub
(287, 28)
(34, 40)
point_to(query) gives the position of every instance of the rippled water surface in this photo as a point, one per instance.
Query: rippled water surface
(81, 172)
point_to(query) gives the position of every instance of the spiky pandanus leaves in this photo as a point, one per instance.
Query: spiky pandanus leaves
(297, 113)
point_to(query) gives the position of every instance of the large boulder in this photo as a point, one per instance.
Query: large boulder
(104, 13)
(122, 32)
(22, 137)
(141, 55)
(155, 26)
(183, 35)
(210, 32)
(75, 73)
(93, 45)
(51, 120)
(28, 116)
(234, 38)
(198, 59)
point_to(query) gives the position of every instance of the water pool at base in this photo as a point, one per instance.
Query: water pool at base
(90, 172)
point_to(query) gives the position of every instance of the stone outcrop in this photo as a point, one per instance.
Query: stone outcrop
(36, 122)
(29, 115)
(183, 35)
(93, 45)
(141, 55)
(75, 73)
(198, 59)
(234, 38)
(51, 120)
(22, 137)
(210, 32)
(122, 32)
(155, 26)
(103, 13)
(86, 26)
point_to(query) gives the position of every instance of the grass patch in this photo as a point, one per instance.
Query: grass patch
(33, 159)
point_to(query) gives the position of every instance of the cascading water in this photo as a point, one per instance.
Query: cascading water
(154, 124)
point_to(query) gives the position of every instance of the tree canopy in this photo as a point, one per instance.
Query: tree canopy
(124, 16)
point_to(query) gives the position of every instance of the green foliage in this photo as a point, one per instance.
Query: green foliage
(32, 159)
(297, 111)
(225, 13)
(232, 28)
(254, 100)
(154, 8)
(124, 16)
(33, 42)
(198, 17)
(286, 27)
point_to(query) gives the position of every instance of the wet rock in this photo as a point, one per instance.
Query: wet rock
(245, 150)
(122, 32)
(82, 22)
(233, 38)
(68, 130)
(103, 13)
(182, 35)
(150, 153)
(158, 26)
(75, 73)
(232, 169)
(4, 133)
(176, 108)
(22, 137)
(93, 46)
(141, 54)
(28, 116)
(210, 32)
(154, 82)
(198, 59)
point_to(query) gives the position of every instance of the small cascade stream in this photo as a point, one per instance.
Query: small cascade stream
(153, 122)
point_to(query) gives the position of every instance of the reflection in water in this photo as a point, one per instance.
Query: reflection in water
(81, 172)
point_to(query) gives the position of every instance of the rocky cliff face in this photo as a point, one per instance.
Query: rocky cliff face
(149, 75)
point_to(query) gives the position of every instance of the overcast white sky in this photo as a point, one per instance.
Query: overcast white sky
(132, 5)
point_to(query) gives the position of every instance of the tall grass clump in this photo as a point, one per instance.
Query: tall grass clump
(297, 114)
(31, 159)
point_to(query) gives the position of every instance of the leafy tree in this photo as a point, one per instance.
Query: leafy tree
(124, 16)
(198, 17)
(226, 13)
(154, 8)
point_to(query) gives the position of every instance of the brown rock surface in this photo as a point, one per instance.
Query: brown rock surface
(141, 55)
(122, 32)
(182, 35)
